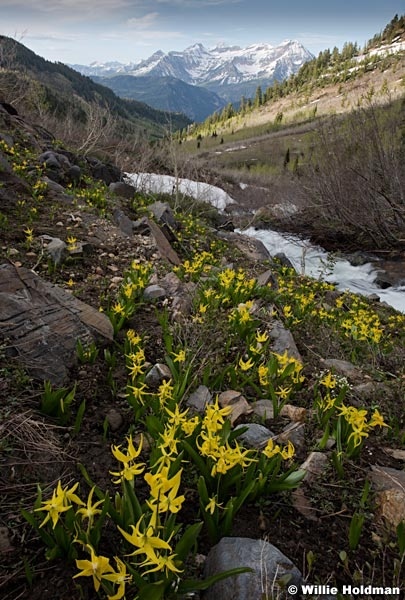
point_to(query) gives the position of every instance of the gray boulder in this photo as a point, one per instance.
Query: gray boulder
(42, 323)
(272, 572)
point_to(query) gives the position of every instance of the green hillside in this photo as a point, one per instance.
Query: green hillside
(55, 92)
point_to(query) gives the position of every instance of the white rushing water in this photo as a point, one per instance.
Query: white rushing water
(316, 262)
(306, 258)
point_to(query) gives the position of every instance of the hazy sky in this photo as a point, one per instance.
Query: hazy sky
(83, 31)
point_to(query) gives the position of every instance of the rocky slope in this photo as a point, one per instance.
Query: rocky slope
(194, 312)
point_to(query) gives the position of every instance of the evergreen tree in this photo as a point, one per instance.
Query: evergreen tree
(258, 97)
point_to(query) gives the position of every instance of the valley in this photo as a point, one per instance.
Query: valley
(184, 413)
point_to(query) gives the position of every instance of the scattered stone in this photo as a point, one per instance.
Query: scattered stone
(303, 505)
(266, 278)
(386, 478)
(114, 419)
(283, 260)
(263, 409)
(182, 302)
(294, 433)
(56, 249)
(53, 186)
(164, 247)
(395, 453)
(43, 322)
(163, 214)
(73, 174)
(238, 403)
(391, 506)
(314, 465)
(269, 566)
(228, 398)
(255, 436)
(250, 247)
(154, 292)
(199, 399)
(283, 341)
(141, 226)
(294, 413)
(104, 171)
(122, 189)
(344, 368)
(124, 223)
(171, 283)
(158, 373)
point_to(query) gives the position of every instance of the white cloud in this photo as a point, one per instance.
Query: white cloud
(143, 22)
(198, 3)
(65, 6)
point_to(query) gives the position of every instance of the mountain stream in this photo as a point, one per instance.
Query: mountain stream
(315, 262)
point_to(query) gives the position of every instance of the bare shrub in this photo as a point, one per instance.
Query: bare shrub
(355, 179)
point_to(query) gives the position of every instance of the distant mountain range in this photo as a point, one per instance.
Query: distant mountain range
(165, 93)
(59, 90)
(225, 74)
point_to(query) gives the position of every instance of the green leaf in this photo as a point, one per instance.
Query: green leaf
(188, 539)
(152, 591)
(401, 537)
(79, 418)
(198, 461)
(188, 586)
(287, 483)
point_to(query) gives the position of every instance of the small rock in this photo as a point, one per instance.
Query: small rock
(171, 283)
(395, 453)
(284, 260)
(141, 226)
(263, 409)
(73, 174)
(391, 506)
(57, 250)
(228, 397)
(266, 278)
(344, 368)
(314, 465)
(294, 413)
(114, 419)
(283, 341)
(154, 292)
(303, 505)
(255, 436)
(157, 375)
(163, 214)
(122, 189)
(199, 399)
(386, 478)
(294, 433)
(238, 403)
(116, 280)
(124, 223)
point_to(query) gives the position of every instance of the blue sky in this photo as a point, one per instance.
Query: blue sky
(83, 31)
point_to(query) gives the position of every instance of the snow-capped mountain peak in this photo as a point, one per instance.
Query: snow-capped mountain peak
(220, 65)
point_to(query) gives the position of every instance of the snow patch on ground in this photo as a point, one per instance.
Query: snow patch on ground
(166, 184)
